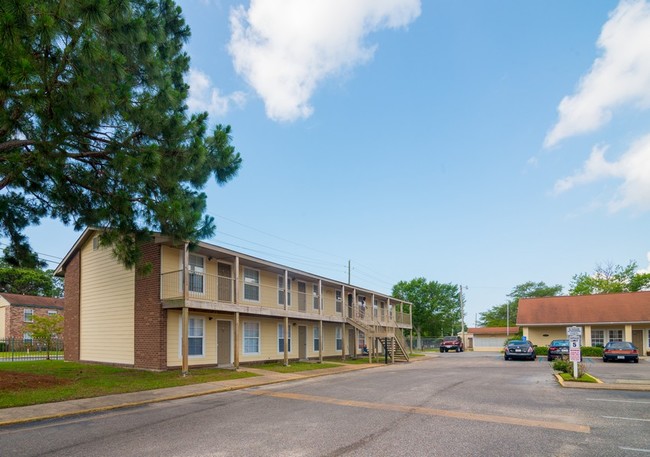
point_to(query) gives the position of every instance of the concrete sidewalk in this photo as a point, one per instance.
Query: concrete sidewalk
(10, 416)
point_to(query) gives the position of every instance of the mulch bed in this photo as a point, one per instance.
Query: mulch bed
(12, 380)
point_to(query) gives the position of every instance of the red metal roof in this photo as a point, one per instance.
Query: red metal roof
(32, 300)
(585, 309)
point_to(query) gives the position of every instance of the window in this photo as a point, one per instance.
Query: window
(251, 337)
(196, 267)
(281, 338)
(96, 243)
(302, 296)
(339, 339)
(27, 337)
(375, 309)
(28, 315)
(362, 340)
(314, 291)
(598, 338)
(339, 301)
(251, 284)
(316, 339)
(195, 335)
(281, 290)
(616, 335)
(51, 313)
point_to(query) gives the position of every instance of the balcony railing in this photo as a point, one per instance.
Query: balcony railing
(221, 289)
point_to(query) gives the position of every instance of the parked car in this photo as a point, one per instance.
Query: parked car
(558, 349)
(450, 343)
(519, 349)
(620, 350)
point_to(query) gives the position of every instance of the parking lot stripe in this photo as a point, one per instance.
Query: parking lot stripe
(634, 449)
(618, 401)
(626, 418)
(429, 411)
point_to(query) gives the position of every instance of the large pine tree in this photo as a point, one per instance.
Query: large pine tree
(94, 128)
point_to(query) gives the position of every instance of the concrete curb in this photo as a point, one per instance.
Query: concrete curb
(600, 385)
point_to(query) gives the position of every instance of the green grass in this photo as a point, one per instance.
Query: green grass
(584, 378)
(293, 367)
(69, 380)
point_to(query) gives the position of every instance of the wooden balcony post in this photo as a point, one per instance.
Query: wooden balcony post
(286, 318)
(320, 322)
(344, 340)
(237, 341)
(185, 314)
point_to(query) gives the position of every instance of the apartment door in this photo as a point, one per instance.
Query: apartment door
(352, 342)
(223, 343)
(302, 342)
(224, 282)
(637, 339)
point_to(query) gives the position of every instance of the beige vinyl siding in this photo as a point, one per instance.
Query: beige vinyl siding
(107, 315)
(4, 309)
(209, 338)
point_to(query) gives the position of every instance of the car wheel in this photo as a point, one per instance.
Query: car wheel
(605, 359)
(505, 357)
(442, 350)
(550, 359)
(636, 360)
(461, 349)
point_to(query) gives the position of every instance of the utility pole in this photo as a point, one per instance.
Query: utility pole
(349, 272)
(462, 313)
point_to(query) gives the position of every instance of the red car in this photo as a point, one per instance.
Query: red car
(620, 350)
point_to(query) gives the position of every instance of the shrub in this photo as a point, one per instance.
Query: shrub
(588, 351)
(541, 350)
(563, 365)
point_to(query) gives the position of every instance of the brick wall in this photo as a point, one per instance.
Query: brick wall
(150, 318)
(15, 324)
(71, 306)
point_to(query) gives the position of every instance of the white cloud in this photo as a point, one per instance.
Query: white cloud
(621, 76)
(633, 169)
(284, 49)
(647, 269)
(204, 97)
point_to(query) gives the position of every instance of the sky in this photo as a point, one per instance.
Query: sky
(484, 144)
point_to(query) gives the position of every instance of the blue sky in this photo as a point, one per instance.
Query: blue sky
(477, 143)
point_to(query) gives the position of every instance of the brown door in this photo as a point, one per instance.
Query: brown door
(302, 342)
(637, 339)
(223, 343)
(352, 343)
(224, 272)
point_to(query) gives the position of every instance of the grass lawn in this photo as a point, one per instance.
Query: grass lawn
(584, 378)
(46, 381)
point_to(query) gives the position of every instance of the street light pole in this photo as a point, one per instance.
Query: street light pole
(462, 313)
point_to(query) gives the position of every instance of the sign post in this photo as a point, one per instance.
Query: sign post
(575, 334)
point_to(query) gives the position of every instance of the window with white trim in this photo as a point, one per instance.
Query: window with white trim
(28, 315)
(27, 337)
(615, 335)
(316, 298)
(195, 336)
(197, 270)
(251, 284)
(251, 337)
(339, 339)
(281, 290)
(281, 339)
(597, 338)
(339, 301)
(362, 340)
(316, 338)
(375, 309)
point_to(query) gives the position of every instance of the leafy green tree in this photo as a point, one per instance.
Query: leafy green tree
(46, 329)
(497, 316)
(94, 129)
(28, 281)
(436, 309)
(610, 279)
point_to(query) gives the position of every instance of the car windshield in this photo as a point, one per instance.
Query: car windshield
(619, 345)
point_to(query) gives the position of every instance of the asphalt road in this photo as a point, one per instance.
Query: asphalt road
(467, 404)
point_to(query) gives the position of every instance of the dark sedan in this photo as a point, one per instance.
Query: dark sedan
(620, 350)
(558, 349)
(519, 349)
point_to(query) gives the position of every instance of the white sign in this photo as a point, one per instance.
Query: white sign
(574, 331)
(574, 349)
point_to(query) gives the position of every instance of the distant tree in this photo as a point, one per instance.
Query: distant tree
(610, 279)
(497, 315)
(94, 129)
(46, 329)
(28, 281)
(436, 309)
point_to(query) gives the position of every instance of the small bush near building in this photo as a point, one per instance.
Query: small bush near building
(563, 365)
(589, 351)
(541, 350)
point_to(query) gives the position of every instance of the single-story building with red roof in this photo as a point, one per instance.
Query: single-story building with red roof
(489, 338)
(602, 317)
(17, 310)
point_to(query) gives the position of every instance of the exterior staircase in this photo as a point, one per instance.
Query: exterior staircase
(391, 339)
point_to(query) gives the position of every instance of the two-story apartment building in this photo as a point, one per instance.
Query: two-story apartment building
(17, 311)
(211, 306)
